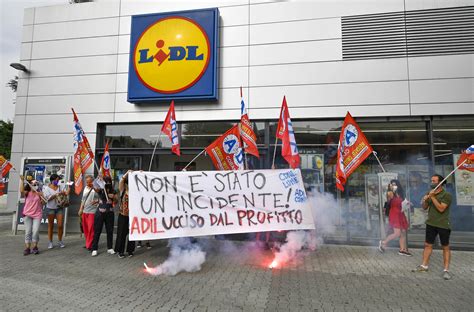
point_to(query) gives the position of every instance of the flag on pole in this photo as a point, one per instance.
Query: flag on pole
(170, 128)
(226, 152)
(246, 131)
(83, 156)
(289, 150)
(105, 162)
(352, 150)
(5, 167)
(467, 157)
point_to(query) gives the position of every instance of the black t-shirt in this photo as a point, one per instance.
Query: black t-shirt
(103, 199)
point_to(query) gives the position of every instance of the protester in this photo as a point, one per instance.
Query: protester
(396, 218)
(123, 220)
(32, 213)
(87, 210)
(104, 213)
(52, 192)
(438, 203)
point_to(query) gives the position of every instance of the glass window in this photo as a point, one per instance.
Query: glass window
(451, 136)
(135, 136)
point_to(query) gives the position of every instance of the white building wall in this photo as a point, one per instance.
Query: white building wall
(78, 57)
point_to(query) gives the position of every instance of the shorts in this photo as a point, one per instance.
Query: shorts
(432, 231)
(58, 211)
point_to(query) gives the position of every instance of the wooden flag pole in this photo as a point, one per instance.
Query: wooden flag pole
(375, 154)
(184, 169)
(440, 183)
(154, 150)
(274, 152)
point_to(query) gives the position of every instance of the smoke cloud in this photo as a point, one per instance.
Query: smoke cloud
(325, 213)
(184, 256)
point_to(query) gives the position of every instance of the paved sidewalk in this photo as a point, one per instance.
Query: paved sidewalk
(333, 278)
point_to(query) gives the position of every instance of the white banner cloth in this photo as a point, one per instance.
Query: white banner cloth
(196, 203)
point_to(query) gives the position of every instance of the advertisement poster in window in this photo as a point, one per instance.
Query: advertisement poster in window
(372, 199)
(464, 182)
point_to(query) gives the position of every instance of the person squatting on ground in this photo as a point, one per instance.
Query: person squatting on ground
(89, 204)
(438, 203)
(396, 218)
(123, 220)
(104, 214)
(51, 193)
(32, 214)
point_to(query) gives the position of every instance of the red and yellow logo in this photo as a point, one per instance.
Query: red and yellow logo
(172, 54)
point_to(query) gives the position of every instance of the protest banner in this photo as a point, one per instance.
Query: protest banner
(181, 204)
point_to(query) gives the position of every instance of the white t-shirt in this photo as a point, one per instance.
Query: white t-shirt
(88, 199)
(48, 193)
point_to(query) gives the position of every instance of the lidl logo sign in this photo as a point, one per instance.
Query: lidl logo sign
(174, 56)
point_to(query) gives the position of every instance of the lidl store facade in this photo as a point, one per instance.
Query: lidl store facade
(403, 69)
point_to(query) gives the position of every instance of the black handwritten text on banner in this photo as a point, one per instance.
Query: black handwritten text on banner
(180, 204)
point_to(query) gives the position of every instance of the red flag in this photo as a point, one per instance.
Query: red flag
(83, 156)
(467, 157)
(170, 128)
(246, 131)
(5, 166)
(353, 149)
(226, 152)
(289, 150)
(105, 162)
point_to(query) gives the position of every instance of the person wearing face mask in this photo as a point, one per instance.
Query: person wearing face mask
(89, 204)
(438, 203)
(51, 194)
(396, 219)
(32, 214)
(104, 214)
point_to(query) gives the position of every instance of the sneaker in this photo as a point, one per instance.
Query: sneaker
(26, 252)
(94, 253)
(139, 245)
(381, 248)
(110, 251)
(420, 268)
(446, 275)
(405, 253)
(61, 244)
(50, 245)
(35, 251)
(148, 246)
(121, 255)
(130, 254)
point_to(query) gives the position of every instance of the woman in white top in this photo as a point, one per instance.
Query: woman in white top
(52, 192)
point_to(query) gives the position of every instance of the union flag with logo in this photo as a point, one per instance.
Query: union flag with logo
(352, 150)
(105, 162)
(226, 152)
(289, 149)
(466, 160)
(170, 128)
(83, 155)
(246, 130)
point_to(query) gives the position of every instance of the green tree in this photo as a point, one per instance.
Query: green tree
(6, 133)
(13, 83)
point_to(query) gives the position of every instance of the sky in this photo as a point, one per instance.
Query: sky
(11, 21)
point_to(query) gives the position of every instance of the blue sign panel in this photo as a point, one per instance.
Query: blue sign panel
(173, 56)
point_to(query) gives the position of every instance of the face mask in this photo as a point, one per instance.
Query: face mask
(433, 186)
(55, 182)
(394, 188)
